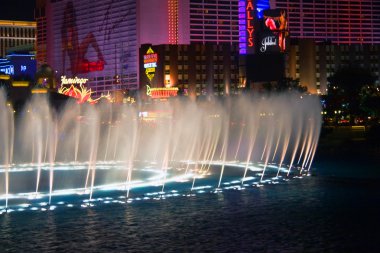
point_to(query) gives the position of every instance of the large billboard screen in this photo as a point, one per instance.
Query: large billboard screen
(96, 40)
(273, 31)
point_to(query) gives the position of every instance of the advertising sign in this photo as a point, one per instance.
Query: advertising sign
(95, 40)
(247, 12)
(150, 63)
(273, 31)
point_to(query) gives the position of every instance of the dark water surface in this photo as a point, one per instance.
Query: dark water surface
(322, 213)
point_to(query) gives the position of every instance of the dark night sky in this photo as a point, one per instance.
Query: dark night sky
(17, 9)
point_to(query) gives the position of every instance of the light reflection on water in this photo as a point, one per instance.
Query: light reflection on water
(313, 214)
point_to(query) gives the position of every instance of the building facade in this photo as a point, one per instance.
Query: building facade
(16, 36)
(100, 45)
(106, 44)
(312, 63)
(103, 44)
(197, 69)
(335, 21)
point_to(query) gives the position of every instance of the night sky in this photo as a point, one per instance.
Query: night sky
(17, 9)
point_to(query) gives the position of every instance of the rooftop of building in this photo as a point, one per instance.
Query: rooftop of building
(17, 23)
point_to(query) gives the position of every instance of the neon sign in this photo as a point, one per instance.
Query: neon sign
(246, 26)
(250, 28)
(75, 80)
(150, 63)
(9, 69)
(78, 90)
(242, 28)
(269, 41)
(161, 92)
(91, 66)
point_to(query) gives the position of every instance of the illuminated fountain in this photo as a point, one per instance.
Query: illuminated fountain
(175, 146)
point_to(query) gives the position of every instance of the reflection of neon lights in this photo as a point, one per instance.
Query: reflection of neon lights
(161, 92)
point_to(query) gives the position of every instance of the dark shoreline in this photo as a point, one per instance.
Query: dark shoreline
(348, 152)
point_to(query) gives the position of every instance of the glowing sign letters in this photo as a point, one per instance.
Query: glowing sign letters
(250, 27)
(9, 70)
(246, 26)
(268, 41)
(74, 80)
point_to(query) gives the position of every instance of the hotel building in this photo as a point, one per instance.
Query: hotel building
(104, 44)
(312, 63)
(16, 36)
(330, 34)
(198, 42)
(339, 22)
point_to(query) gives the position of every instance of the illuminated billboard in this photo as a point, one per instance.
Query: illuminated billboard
(273, 33)
(19, 66)
(96, 40)
(150, 63)
(247, 16)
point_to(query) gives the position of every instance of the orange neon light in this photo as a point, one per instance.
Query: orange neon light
(20, 83)
(250, 28)
(81, 93)
(39, 91)
(161, 92)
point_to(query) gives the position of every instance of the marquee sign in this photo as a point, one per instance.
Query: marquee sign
(161, 92)
(246, 26)
(150, 63)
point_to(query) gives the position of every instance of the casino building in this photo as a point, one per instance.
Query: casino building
(200, 47)
(197, 43)
(16, 36)
(339, 22)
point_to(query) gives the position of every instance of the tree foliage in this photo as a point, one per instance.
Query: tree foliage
(350, 80)
(348, 88)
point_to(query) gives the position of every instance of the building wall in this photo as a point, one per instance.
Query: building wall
(153, 21)
(41, 32)
(340, 22)
(312, 63)
(185, 21)
(15, 34)
(214, 21)
(106, 48)
(196, 69)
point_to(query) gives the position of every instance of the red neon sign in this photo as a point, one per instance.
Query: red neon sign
(88, 66)
(250, 26)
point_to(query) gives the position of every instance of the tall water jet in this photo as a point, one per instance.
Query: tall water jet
(109, 146)
(6, 142)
